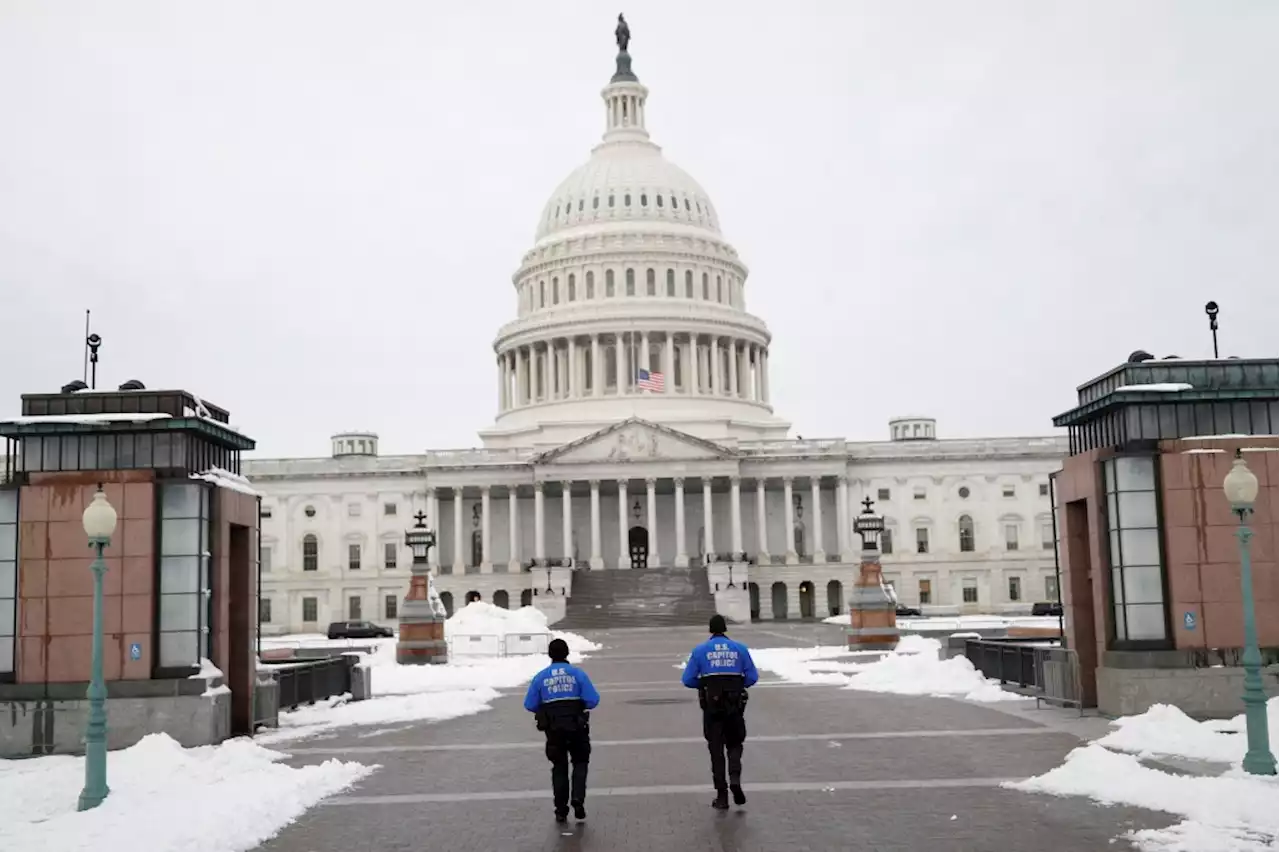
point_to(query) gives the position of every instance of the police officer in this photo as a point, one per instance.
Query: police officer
(722, 671)
(560, 697)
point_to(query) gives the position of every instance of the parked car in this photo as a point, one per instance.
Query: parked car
(1046, 608)
(904, 611)
(359, 630)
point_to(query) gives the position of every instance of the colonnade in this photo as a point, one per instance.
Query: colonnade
(712, 505)
(598, 365)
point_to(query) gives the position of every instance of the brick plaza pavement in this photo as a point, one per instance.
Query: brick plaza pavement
(824, 769)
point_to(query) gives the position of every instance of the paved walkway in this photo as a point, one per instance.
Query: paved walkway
(824, 769)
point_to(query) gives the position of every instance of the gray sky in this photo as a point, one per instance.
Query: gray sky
(309, 212)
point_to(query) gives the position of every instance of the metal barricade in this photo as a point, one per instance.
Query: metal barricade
(475, 645)
(526, 643)
(1043, 672)
(307, 683)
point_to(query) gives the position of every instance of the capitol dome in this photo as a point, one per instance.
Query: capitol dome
(630, 303)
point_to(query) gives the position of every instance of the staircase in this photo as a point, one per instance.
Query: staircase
(639, 597)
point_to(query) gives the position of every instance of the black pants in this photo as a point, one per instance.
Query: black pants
(561, 746)
(725, 734)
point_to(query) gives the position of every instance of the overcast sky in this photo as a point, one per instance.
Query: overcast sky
(309, 212)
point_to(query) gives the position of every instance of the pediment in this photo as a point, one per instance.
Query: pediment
(636, 440)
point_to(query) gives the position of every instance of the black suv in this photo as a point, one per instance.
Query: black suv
(1046, 608)
(359, 630)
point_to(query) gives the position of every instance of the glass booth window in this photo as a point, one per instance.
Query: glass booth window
(8, 581)
(1137, 573)
(186, 588)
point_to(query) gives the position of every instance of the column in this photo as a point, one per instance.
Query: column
(433, 520)
(539, 515)
(596, 562)
(762, 529)
(574, 379)
(733, 367)
(789, 523)
(843, 521)
(597, 367)
(643, 360)
(764, 375)
(707, 517)
(502, 385)
(486, 555)
(669, 365)
(651, 519)
(513, 530)
(695, 369)
(619, 363)
(713, 352)
(815, 495)
(682, 554)
(459, 563)
(744, 371)
(566, 518)
(522, 378)
(624, 554)
(735, 506)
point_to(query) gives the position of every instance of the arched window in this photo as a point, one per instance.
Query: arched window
(631, 282)
(650, 282)
(644, 200)
(610, 200)
(673, 203)
(573, 287)
(310, 553)
(555, 290)
(966, 534)
(608, 284)
(595, 203)
(579, 205)
(658, 198)
(591, 284)
(671, 281)
(706, 287)
(542, 294)
(688, 283)
(626, 199)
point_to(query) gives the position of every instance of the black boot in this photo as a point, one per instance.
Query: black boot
(739, 797)
(721, 801)
(579, 810)
(562, 816)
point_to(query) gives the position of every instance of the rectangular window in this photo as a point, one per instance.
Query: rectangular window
(1010, 536)
(389, 608)
(353, 608)
(1051, 588)
(310, 610)
(969, 592)
(1015, 589)
(353, 510)
(919, 494)
(1046, 535)
(886, 541)
(1044, 489)
(1137, 572)
(389, 508)
(390, 553)
(8, 582)
(353, 557)
(1009, 491)
(882, 494)
(264, 559)
(264, 610)
(310, 553)
(926, 591)
(922, 540)
(186, 588)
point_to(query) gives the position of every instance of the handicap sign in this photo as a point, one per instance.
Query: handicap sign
(135, 651)
(1189, 620)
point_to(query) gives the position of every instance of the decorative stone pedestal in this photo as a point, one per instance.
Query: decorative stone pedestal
(422, 617)
(873, 614)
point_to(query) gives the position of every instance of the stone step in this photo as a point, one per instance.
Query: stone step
(660, 596)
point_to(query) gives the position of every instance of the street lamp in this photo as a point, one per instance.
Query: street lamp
(869, 525)
(99, 524)
(420, 539)
(1241, 488)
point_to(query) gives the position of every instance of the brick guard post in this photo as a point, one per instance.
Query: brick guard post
(872, 612)
(422, 614)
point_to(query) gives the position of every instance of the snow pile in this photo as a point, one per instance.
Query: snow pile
(1167, 731)
(1222, 814)
(913, 668)
(392, 678)
(387, 710)
(484, 619)
(229, 797)
(960, 622)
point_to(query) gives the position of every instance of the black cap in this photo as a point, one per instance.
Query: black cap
(558, 650)
(718, 624)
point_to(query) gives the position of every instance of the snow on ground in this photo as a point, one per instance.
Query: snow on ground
(1228, 812)
(433, 693)
(224, 798)
(961, 622)
(913, 668)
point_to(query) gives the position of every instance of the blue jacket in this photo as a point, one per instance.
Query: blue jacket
(560, 682)
(719, 655)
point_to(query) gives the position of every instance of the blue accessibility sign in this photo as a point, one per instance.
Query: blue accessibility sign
(135, 651)
(1189, 620)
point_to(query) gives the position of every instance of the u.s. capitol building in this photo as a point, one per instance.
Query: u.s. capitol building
(635, 429)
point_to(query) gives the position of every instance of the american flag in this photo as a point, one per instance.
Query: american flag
(650, 381)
